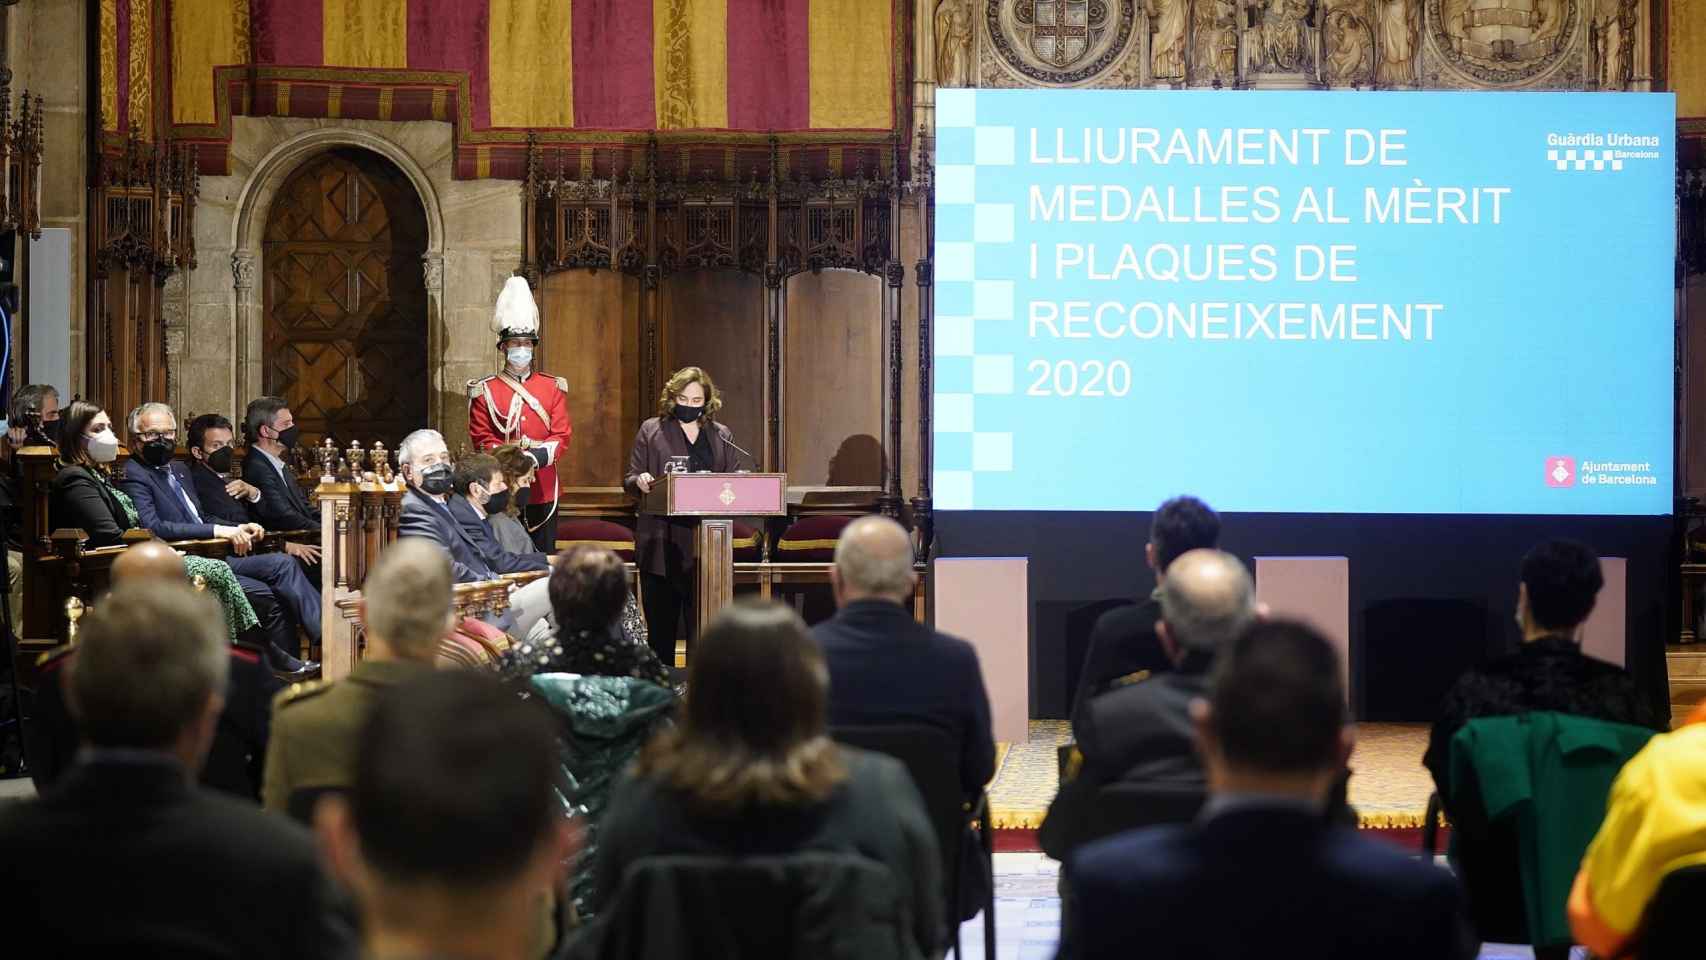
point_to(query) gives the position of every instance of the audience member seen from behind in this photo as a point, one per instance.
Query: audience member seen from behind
(885, 668)
(1274, 736)
(589, 608)
(1655, 823)
(157, 866)
(751, 771)
(1123, 645)
(1560, 581)
(1142, 732)
(451, 834)
(406, 607)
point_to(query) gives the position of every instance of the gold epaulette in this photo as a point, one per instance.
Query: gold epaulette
(57, 653)
(1129, 679)
(477, 386)
(562, 384)
(298, 692)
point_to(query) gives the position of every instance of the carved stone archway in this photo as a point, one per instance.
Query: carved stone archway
(254, 203)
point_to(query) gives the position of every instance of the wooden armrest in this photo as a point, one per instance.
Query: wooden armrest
(526, 577)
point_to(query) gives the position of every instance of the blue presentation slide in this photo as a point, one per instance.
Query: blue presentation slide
(1304, 302)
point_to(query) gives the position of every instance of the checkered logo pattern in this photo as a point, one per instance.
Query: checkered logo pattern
(967, 444)
(1585, 159)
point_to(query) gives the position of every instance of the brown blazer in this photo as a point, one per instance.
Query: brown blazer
(663, 546)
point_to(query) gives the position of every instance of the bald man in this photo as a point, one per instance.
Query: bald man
(236, 760)
(1142, 733)
(886, 668)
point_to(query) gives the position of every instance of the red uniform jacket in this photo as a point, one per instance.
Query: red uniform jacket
(493, 403)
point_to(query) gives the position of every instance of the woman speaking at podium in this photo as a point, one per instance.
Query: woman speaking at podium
(684, 437)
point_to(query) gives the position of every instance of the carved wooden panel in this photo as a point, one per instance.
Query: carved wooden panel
(833, 379)
(345, 321)
(715, 319)
(592, 330)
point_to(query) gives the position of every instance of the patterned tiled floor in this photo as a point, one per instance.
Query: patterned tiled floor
(1027, 915)
(1389, 786)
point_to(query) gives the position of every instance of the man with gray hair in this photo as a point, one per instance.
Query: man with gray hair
(885, 668)
(1142, 732)
(430, 475)
(147, 689)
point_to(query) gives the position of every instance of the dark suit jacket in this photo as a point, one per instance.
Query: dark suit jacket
(1142, 734)
(80, 500)
(887, 668)
(1256, 882)
(426, 518)
(160, 868)
(217, 505)
(283, 505)
(235, 762)
(479, 532)
(1123, 643)
(159, 509)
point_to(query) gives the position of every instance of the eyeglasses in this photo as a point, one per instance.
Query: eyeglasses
(154, 435)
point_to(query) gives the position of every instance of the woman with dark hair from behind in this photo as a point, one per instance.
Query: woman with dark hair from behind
(751, 771)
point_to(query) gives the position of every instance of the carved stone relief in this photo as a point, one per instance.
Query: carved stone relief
(1062, 42)
(1167, 19)
(1612, 34)
(1214, 43)
(1282, 43)
(1351, 51)
(1398, 43)
(953, 43)
(1486, 43)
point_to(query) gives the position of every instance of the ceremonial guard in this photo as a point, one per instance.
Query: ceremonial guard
(521, 406)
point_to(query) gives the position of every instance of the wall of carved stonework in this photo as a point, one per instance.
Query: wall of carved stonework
(1685, 61)
(1290, 44)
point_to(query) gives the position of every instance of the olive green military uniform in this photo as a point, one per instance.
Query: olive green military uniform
(314, 727)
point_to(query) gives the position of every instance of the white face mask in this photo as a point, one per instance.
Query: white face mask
(103, 446)
(520, 357)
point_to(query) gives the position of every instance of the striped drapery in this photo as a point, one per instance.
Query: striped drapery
(753, 66)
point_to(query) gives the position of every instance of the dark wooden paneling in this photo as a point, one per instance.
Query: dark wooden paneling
(832, 374)
(715, 320)
(591, 338)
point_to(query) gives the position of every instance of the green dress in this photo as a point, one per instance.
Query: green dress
(216, 574)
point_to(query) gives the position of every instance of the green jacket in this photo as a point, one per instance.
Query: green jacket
(1547, 776)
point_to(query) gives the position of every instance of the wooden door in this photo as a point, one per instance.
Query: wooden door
(345, 299)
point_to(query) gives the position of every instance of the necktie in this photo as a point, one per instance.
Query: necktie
(178, 488)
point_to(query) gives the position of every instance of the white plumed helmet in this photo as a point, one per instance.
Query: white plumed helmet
(516, 315)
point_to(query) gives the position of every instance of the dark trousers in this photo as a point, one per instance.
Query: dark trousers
(285, 577)
(667, 603)
(544, 531)
(275, 633)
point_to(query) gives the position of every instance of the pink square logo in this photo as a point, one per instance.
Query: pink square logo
(1560, 471)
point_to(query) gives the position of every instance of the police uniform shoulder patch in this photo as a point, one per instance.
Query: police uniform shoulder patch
(562, 384)
(477, 386)
(298, 692)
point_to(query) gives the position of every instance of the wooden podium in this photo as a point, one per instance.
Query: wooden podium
(715, 499)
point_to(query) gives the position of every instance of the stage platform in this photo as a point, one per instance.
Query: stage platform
(1389, 786)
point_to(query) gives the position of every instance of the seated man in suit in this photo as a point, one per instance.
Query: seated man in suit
(452, 837)
(426, 513)
(224, 498)
(1142, 732)
(405, 609)
(1274, 735)
(271, 431)
(240, 742)
(158, 866)
(887, 668)
(481, 491)
(1123, 646)
(167, 506)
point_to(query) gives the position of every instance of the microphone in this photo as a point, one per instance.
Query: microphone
(749, 456)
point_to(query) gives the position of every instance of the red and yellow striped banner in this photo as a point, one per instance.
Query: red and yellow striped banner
(622, 65)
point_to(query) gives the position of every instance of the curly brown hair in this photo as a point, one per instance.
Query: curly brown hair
(678, 382)
(514, 463)
(755, 732)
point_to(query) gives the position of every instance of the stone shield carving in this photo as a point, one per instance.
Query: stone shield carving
(1503, 42)
(1059, 41)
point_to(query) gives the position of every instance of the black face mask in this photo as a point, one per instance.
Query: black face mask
(158, 453)
(497, 502)
(523, 497)
(220, 460)
(49, 431)
(287, 438)
(687, 414)
(436, 479)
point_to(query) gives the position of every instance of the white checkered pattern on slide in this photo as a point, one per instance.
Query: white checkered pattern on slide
(1585, 159)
